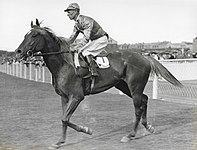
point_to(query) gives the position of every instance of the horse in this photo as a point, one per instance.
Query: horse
(128, 72)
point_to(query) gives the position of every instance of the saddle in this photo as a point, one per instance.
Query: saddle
(82, 66)
(83, 71)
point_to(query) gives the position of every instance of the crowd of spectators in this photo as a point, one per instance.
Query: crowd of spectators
(37, 61)
(172, 55)
(176, 54)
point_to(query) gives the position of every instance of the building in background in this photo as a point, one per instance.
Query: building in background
(165, 49)
(194, 45)
(158, 46)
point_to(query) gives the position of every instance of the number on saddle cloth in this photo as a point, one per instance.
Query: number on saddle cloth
(101, 61)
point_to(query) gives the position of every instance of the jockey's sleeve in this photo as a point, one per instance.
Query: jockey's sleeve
(74, 35)
(88, 29)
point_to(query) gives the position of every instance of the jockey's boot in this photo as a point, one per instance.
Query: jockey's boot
(92, 65)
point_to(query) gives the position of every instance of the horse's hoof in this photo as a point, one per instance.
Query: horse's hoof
(56, 146)
(150, 129)
(125, 139)
(88, 130)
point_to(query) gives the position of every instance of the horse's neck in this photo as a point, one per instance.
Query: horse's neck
(56, 62)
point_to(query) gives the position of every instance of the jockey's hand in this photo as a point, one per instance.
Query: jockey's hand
(81, 44)
(80, 55)
(80, 50)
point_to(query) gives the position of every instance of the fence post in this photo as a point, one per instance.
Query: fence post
(2, 67)
(7, 68)
(155, 87)
(30, 71)
(39, 73)
(25, 71)
(13, 69)
(43, 74)
(21, 70)
(10, 69)
(36, 73)
(17, 69)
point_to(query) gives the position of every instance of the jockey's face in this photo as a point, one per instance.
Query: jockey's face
(72, 14)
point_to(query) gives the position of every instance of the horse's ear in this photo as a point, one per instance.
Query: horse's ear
(37, 22)
(32, 24)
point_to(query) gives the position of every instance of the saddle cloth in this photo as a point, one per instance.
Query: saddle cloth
(102, 62)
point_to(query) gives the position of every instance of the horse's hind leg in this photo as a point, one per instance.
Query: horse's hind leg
(147, 125)
(137, 100)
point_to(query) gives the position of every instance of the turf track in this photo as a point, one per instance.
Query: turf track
(30, 120)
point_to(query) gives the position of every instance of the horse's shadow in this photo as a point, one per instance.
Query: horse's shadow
(164, 123)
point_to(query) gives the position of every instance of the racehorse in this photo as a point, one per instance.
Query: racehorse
(128, 72)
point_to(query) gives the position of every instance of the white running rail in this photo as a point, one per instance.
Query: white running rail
(182, 69)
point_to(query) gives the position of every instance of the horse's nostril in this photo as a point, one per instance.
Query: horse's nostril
(19, 51)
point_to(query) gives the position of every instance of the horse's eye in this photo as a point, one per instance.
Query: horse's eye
(34, 35)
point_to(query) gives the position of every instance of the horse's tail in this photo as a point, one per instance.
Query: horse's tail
(158, 68)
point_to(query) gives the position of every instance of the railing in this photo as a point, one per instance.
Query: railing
(27, 71)
(182, 69)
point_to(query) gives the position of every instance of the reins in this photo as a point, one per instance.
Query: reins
(51, 53)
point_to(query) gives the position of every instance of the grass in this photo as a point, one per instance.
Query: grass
(30, 115)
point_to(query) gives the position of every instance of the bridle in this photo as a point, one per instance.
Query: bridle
(30, 52)
(46, 54)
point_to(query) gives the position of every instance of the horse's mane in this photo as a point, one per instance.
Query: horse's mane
(61, 41)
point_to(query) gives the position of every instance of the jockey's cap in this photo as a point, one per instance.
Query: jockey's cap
(72, 6)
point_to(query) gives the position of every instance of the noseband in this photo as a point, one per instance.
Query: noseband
(30, 53)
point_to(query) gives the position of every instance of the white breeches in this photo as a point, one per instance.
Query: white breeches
(94, 47)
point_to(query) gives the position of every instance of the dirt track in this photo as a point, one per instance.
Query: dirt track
(30, 120)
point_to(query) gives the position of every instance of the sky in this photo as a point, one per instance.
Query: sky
(126, 21)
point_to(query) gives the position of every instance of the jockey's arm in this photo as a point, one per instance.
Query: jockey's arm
(88, 29)
(87, 34)
(82, 43)
(73, 36)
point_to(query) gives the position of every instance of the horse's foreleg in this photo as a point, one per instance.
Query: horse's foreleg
(68, 107)
(65, 124)
(80, 128)
(62, 140)
(68, 113)
(147, 125)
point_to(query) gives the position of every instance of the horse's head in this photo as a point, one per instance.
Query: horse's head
(33, 42)
(40, 39)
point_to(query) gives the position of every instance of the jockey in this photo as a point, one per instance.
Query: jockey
(95, 38)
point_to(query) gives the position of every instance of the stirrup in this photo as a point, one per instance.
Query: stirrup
(94, 73)
(92, 69)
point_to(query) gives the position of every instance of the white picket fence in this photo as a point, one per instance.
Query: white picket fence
(182, 69)
(27, 71)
